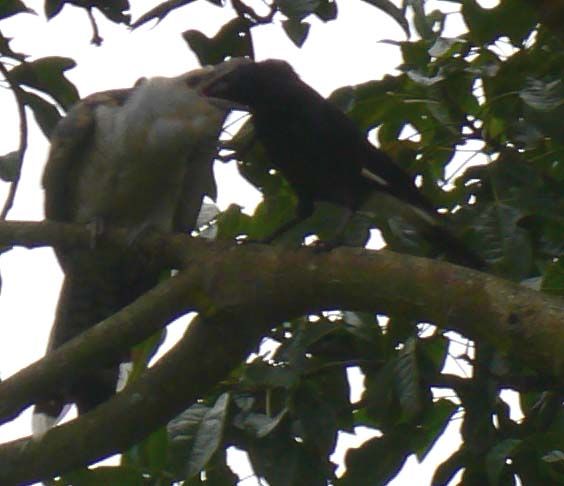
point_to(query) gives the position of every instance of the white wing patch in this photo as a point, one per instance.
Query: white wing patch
(373, 177)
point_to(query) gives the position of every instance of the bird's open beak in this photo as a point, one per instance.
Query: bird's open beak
(217, 83)
(225, 104)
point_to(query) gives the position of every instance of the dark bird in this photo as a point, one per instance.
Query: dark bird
(324, 155)
(138, 158)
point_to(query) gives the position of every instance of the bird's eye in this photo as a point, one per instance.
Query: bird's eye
(194, 80)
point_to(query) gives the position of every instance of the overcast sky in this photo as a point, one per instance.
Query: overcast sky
(338, 53)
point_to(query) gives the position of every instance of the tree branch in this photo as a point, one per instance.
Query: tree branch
(242, 291)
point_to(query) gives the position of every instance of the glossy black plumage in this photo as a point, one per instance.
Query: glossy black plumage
(320, 151)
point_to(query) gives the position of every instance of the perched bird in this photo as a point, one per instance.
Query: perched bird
(323, 154)
(138, 158)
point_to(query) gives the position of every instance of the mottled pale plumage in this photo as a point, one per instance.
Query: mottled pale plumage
(139, 158)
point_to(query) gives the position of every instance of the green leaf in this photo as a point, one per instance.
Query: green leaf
(232, 222)
(6, 50)
(554, 457)
(143, 352)
(258, 424)
(8, 8)
(10, 166)
(393, 11)
(209, 435)
(504, 243)
(327, 10)
(496, 459)
(150, 454)
(433, 352)
(444, 47)
(553, 279)
(380, 396)
(45, 113)
(297, 9)
(159, 12)
(407, 380)
(296, 30)
(420, 20)
(232, 40)
(259, 373)
(53, 7)
(47, 75)
(274, 211)
(317, 418)
(376, 461)
(447, 470)
(434, 423)
(514, 19)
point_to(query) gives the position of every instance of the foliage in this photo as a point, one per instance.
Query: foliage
(494, 91)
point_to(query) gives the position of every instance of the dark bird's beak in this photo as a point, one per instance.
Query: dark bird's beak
(217, 84)
(224, 104)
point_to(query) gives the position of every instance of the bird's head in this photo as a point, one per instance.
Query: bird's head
(251, 83)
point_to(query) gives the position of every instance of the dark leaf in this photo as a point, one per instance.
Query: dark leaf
(259, 373)
(142, 353)
(297, 9)
(296, 30)
(327, 10)
(232, 222)
(47, 75)
(209, 435)
(444, 47)
(553, 279)
(53, 7)
(377, 461)
(408, 380)
(433, 353)
(232, 40)
(317, 418)
(10, 166)
(116, 11)
(504, 243)
(45, 113)
(6, 50)
(8, 8)
(283, 461)
(433, 424)
(514, 19)
(446, 470)
(497, 457)
(393, 11)
(257, 424)
(420, 20)
(150, 454)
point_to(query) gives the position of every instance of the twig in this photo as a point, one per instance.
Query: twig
(96, 38)
(18, 95)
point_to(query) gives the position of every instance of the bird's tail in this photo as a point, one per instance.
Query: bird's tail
(95, 287)
(430, 225)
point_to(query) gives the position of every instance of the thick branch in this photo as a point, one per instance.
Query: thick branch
(243, 291)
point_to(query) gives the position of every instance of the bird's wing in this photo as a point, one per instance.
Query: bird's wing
(71, 137)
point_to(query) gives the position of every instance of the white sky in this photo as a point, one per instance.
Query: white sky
(335, 54)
